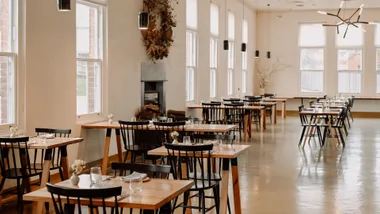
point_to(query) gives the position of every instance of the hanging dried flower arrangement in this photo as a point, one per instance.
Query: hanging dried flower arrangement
(158, 38)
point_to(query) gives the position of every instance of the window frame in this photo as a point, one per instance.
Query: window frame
(101, 59)
(377, 55)
(13, 53)
(302, 47)
(230, 68)
(348, 48)
(191, 93)
(213, 69)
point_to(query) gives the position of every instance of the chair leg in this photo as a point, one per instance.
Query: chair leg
(203, 202)
(302, 135)
(185, 198)
(216, 199)
(341, 137)
(61, 173)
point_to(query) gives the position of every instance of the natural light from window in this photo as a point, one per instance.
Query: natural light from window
(214, 31)
(191, 47)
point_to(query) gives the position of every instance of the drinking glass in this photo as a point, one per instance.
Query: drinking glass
(170, 120)
(186, 140)
(136, 183)
(95, 175)
(133, 119)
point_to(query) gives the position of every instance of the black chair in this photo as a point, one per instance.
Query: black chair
(180, 157)
(338, 125)
(15, 164)
(153, 171)
(138, 140)
(61, 197)
(56, 153)
(268, 95)
(213, 113)
(234, 114)
(304, 123)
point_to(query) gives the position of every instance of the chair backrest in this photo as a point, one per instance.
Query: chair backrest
(56, 154)
(14, 154)
(235, 112)
(224, 138)
(61, 195)
(303, 118)
(213, 113)
(191, 158)
(153, 171)
(134, 133)
(165, 129)
(268, 95)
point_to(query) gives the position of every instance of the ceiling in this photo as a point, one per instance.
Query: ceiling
(310, 4)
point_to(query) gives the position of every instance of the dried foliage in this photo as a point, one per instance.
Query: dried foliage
(158, 38)
(265, 70)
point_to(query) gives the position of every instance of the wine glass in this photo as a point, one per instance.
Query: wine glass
(95, 175)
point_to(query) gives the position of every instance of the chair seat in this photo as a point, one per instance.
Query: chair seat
(207, 185)
(20, 173)
(214, 176)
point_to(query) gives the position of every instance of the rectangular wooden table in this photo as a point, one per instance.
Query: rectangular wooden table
(273, 106)
(115, 125)
(282, 100)
(230, 154)
(155, 193)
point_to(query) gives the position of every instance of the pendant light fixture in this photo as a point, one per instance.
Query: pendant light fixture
(243, 44)
(257, 52)
(63, 5)
(143, 20)
(268, 52)
(225, 42)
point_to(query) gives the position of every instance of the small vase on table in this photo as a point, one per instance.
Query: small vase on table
(74, 179)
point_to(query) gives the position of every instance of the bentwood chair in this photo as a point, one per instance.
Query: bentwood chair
(234, 114)
(15, 164)
(182, 159)
(153, 171)
(61, 197)
(56, 153)
(213, 113)
(138, 140)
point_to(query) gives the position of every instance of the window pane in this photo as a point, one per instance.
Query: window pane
(231, 55)
(212, 82)
(312, 59)
(349, 81)
(377, 35)
(244, 82)
(354, 36)
(6, 26)
(245, 31)
(189, 83)
(87, 31)
(311, 81)
(350, 60)
(378, 59)
(230, 81)
(191, 14)
(190, 48)
(231, 26)
(213, 53)
(312, 35)
(378, 82)
(214, 19)
(244, 60)
(7, 92)
(88, 87)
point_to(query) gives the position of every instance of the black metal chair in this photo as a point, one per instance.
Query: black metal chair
(15, 164)
(56, 153)
(234, 114)
(153, 171)
(138, 140)
(63, 196)
(180, 157)
(213, 113)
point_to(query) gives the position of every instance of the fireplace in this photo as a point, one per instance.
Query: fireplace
(153, 78)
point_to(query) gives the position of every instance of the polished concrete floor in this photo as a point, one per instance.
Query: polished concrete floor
(276, 176)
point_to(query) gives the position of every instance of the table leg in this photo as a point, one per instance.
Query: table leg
(224, 186)
(236, 186)
(64, 162)
(274, 114)
(249, 125)
(245, 127)
(45, 177)
(118, 143)
(262, 122)
(106, 151)
(283, 109)
(307, 131)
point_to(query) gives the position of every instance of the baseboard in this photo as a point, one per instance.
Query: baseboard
(293, 113)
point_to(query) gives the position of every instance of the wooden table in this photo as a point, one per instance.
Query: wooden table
(282, 100)
(273, 105)
(115, 125)
(155, 194)
(317, 113)
(229, 153)
(247, 117)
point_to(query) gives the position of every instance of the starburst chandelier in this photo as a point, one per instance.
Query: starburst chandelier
(353, 20)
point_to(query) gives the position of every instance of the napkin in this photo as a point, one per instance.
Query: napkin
(133, 176)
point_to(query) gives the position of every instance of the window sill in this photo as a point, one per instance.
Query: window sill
(90, 118)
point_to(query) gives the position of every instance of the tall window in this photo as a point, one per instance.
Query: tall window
(89, 24)
(191, 47)
(231, 53)
(244, 64)
(312, 41)
(350, 60)
(8, 53)
(214, 31)
(377, 44)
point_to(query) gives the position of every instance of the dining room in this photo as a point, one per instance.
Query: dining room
(171, 106)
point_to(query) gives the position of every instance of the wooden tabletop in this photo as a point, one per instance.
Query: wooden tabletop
(275, 99)
(198, 106)
(220, 151)
(267, 103)
(155, 193)
(40, 143)
(331, 112)
(331, 106)
(221, 128)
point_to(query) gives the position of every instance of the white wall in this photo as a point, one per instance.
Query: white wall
(283, 41)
